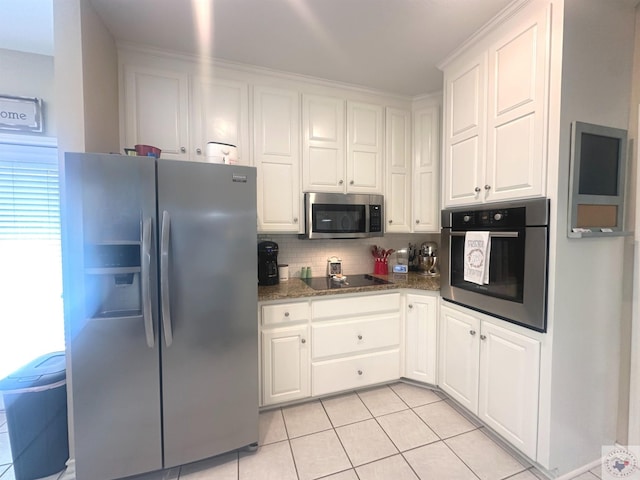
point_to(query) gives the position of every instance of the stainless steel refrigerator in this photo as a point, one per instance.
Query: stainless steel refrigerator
(160, 291)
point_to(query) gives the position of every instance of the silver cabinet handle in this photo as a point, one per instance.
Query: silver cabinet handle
(145, 267)
(483, 337)
(199, 151)
(183, 149)
(410, 305)
(472, 332)
(417, 221)
(304, 340)
(351, 182)
(477, 189)
(390, 222)
(359, 372)
(340, 182)
(487, 187)
(295, 220)
(164, 278)
(359, 337)
(286, 314)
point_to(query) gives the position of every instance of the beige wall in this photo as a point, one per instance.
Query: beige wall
(30, 75)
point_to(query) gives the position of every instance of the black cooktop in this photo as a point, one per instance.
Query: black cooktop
(326, 283)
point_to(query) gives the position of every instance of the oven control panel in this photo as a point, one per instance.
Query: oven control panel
(488, 219)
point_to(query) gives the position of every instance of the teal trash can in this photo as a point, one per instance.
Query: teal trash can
(35, 401)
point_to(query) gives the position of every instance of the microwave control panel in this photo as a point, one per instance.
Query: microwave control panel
(375, 218)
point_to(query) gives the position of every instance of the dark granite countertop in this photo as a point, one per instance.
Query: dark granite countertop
(296, 288)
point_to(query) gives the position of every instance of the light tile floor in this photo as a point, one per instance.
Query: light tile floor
(395, 432)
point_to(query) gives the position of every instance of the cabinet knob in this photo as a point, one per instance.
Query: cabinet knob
(183, 149)
(351, 182)
(340, 182)
(359, 372)
(487, 187)
(472, 332)
(295, 220)
(410, 305)
(286, 314)
(199, 151)
(359, 337)
(390, 222)
(304, 340)
(417, 221)
(483, 337)
(477, 189)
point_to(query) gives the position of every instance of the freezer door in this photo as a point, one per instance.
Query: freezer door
(110, 298)
(208, 261)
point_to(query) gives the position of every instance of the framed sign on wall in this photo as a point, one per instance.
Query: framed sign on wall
(22, 114)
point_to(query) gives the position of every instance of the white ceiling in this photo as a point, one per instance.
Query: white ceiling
(389, 45)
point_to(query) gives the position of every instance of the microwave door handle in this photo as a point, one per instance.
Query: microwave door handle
(491, 234)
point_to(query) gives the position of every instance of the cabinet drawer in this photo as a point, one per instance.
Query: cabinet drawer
(285, 313)
(354, 372)
(354, 337)
(345, 307)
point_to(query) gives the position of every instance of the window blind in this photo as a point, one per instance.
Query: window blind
(29, 193)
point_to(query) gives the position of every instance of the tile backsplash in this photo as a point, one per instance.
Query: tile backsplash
(355, 254)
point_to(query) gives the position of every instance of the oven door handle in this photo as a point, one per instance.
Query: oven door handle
(491, 234)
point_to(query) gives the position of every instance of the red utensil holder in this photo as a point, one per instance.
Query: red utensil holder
(380, 267)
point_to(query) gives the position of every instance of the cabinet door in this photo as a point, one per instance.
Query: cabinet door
(459, 356)
(364, 148)
(156, 110)
(518, 72)
(276, 126)
(323, 157)
(421, 338)
(465, 130)
(220, 114)
(509, 383)
(426, 170)
(398, 177)
(285, 363)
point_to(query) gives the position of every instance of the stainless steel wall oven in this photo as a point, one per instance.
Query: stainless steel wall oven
(519, 235)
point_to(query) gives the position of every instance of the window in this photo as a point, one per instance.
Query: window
(31, 315)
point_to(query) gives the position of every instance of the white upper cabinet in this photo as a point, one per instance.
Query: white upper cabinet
(156, 110)
(516, 114)
(339, 159)
(276, 127)
(464, 113)
(398, 172)
(220, 114)
(165, 106)
(323, 132)
(495, 114)
(364, 148)
(426, 169)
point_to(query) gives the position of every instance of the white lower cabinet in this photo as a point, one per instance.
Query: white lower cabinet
(354, 372)
(493, 371)
(285, 352)
(421, 338)
(355, 342)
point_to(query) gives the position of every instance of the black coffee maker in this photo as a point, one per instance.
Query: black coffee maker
(268, 263)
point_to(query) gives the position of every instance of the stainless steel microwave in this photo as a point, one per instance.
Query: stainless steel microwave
(339, 215)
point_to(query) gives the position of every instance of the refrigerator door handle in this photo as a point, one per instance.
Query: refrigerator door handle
(164, 278)
(147, 312)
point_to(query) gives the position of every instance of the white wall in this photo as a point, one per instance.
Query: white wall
(30, 75)
(586, 288)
